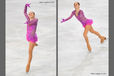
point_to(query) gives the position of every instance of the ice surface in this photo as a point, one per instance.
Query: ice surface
(44, 56)
(74, 58)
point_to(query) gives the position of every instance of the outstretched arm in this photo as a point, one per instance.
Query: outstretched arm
(63, 20)
(25, 11)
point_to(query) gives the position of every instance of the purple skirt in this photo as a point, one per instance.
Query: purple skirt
(88, 22)
(32, 38)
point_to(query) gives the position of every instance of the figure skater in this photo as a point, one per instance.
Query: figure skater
(87, 24)
(31, 33)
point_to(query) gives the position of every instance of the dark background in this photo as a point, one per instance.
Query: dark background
(111, 37)
(2, 37)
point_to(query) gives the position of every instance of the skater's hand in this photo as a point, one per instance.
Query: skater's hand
(63, 20)
(28, 4)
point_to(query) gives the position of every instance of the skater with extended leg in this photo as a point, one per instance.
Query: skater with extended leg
(87, 24)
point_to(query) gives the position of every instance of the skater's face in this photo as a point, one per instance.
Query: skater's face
(76, 5)
(31, 14)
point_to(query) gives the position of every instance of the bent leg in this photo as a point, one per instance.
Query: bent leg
(36, 44)
(97, 33)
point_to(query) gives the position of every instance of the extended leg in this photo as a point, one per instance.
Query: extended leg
(86, 37)
(31, 46)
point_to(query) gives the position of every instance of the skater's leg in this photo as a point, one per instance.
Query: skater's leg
(31, 46)
(86, 37)
(36, 44)
(97, 33)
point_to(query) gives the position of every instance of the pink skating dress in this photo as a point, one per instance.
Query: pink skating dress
(31, 35)
(81, 18)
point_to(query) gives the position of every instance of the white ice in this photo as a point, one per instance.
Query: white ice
(44, 56)
(74, 58)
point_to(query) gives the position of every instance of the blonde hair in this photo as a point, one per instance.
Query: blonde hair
(77, 2)
(32, 12)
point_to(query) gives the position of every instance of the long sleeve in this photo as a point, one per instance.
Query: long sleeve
(82, 17)
(82, 14)
(70, 16)
(33, 22)
(25, 13)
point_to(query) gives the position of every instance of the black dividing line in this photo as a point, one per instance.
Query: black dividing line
(2, 37)
(56, 37)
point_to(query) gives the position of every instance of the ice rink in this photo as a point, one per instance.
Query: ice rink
(44, 56)
(74, 58)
